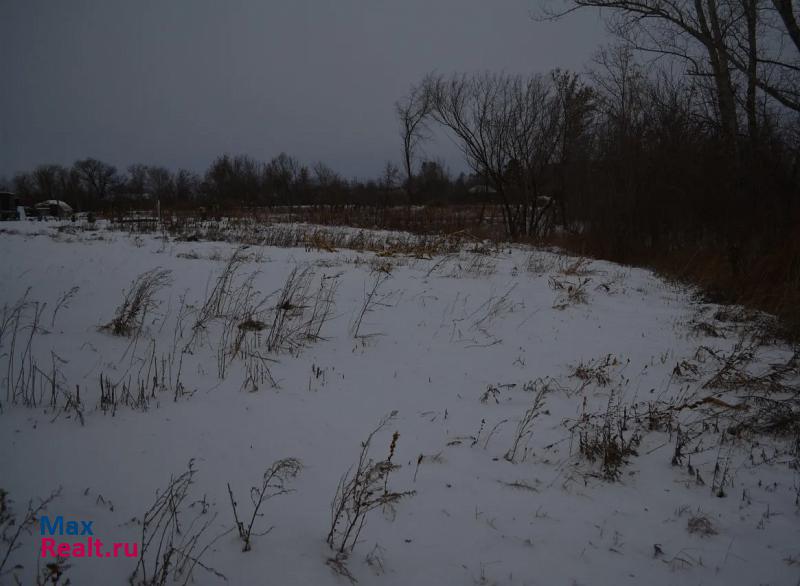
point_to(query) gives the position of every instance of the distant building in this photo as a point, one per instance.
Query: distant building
(53, 207)
(481, 189)
(8, 205)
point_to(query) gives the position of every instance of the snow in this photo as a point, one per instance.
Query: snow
(442, 331)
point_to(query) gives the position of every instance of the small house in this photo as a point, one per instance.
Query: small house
(54, 207)
(8, 205)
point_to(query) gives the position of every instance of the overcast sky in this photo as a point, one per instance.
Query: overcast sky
(177, 82)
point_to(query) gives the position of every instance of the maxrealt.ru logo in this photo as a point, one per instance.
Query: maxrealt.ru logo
(89, 546)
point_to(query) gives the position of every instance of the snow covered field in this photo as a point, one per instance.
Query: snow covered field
(560, 421)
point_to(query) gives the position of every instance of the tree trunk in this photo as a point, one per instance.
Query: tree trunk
(714, 42)
(752, 72)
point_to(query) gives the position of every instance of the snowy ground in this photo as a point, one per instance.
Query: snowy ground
(460, 346)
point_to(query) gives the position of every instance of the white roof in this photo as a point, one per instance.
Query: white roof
(54, 202)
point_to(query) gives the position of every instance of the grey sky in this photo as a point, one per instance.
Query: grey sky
(177, 82)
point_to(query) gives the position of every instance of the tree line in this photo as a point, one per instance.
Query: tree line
(231, 181)
(678, 148)
(639, 158)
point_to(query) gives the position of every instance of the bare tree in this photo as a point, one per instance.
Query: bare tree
(137, 179)
(766, 50)
(281, 176)
(48, 179)
(786, 11)
(186, 185)
(678, 28)
(508, 129)
(749, 44)
(412, 111)
(326, 178)
(97, 178)
(621, 86)
(228, 178)
(576, 102)
(49, 182)
(160, 182)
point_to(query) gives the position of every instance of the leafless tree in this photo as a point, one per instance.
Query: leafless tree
(621, 86)
(508, 128)
(137, 179)
(766, 50)
(160, 182)
(50, 181)
(97, 178)
(576, 103)
(326, 179)
(678, 28)
(186, 185)
(390, 176)
(412, 112)
(281, 177)
(749, 44)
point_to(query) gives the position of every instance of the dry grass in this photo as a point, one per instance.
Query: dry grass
(372, 300)
(574, 267)
(764, 276)
(138, 301)
(362, 489)
(173, 539)
(14, 527)
(255, 231)
(273, 483)
(595, 371)
(569, 292)
(607, 438)
(701, 525)
(519, 449)
(735, 372)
